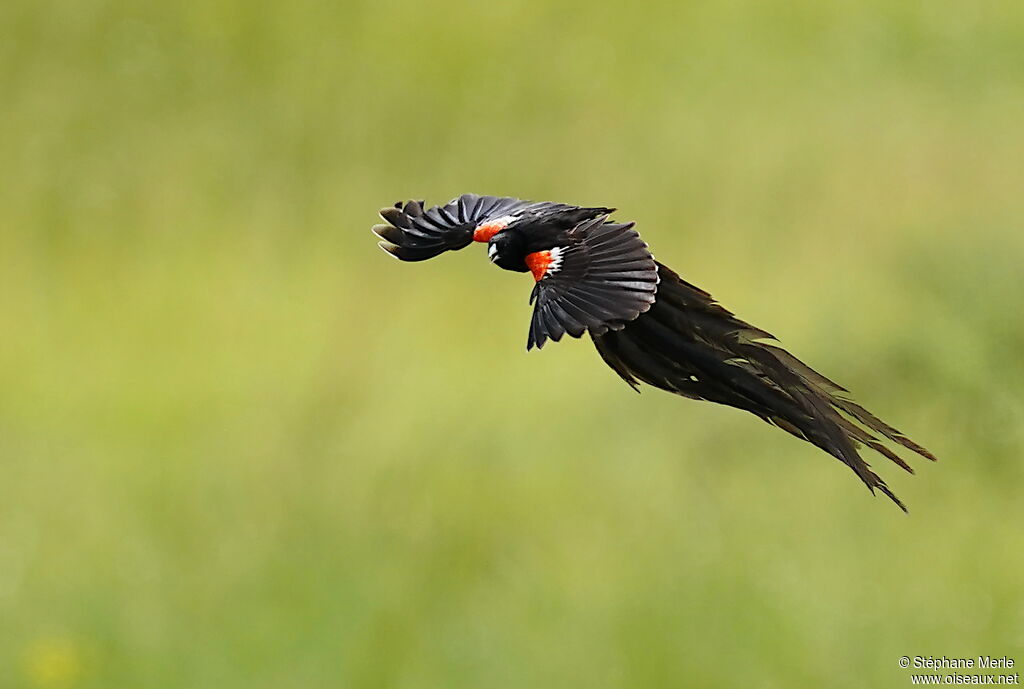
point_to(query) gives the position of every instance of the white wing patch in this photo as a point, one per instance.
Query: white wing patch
(497, 223)
(556, 260)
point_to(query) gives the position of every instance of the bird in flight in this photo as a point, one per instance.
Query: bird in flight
(593, 275)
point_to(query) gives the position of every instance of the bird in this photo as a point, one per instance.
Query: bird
(593, 275)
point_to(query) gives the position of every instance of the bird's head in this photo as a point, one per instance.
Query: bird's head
(507, 249)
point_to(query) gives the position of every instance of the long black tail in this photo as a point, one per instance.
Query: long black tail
(689, 345)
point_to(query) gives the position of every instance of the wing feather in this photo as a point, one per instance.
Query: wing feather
(606, 277)
(416, 234)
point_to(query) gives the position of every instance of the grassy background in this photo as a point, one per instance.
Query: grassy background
(241, 447)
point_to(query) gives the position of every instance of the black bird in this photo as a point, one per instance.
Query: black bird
(648, 324)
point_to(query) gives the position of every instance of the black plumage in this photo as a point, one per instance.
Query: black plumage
(649, 325)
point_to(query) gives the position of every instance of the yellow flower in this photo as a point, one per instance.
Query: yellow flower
(52, 662)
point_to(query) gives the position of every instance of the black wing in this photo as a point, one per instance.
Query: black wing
(416, 234)
(601, 279)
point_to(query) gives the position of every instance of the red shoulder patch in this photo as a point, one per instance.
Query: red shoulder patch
(485, 231)
(538, 263)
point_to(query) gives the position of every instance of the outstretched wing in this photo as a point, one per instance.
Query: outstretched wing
(601, 279)
(416, 234)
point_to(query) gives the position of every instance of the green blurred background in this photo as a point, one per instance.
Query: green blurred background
(241, 447)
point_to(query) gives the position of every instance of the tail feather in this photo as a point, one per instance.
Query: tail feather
(837, 394)
(824, 418)
(690, 345)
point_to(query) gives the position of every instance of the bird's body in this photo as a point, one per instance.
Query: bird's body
(649, 325)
